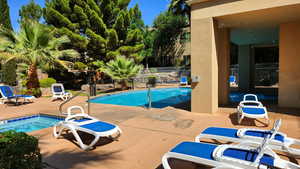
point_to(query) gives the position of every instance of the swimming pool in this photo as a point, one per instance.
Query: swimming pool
(163, 97)
(160, 97)
(29, 123)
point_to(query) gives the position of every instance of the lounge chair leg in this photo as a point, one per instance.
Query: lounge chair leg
(240, 118)
(165, 162)
(78, 139)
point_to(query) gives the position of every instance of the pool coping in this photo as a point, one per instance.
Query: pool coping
(13, 119)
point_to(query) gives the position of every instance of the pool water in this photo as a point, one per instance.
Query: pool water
(29, 123)
(238, 96)
(160, 97)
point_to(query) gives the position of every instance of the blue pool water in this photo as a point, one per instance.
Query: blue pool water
(237, 97)
(29, 123)
(160, 97)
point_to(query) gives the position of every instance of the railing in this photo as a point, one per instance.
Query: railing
(74, 96)
(149, 98)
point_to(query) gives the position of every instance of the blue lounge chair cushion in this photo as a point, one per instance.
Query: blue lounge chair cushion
(7, 92)
(202, 150)
(227, 132)
(248, 156)
(183, 79)
(263, 134)
(254, 110)
(24, 96)
(99, 126)
(232, 79)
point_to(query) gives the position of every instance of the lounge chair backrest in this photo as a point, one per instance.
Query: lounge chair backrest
(183, 79)
(58, 88)
(261, 149)
(231, 79)
(69, 111)
(6, 91)
(250, 97)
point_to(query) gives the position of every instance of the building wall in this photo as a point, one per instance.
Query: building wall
(204, 65)
(223, 52)
(289, 65)
(218, 8)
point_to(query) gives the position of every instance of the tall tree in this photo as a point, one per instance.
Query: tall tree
(35, 44)
(31, 11)
(4, 15)
(9, 69)
(166, 44)
(98, 29)
(180, 7)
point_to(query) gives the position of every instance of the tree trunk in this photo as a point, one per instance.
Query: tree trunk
(33, 81)
(124, 85)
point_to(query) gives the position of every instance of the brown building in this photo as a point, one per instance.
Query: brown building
(216, 24)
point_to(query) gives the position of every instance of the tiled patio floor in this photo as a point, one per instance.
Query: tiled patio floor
(147, 134)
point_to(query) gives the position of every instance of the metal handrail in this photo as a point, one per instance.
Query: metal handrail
(149, 98)
(75, 95)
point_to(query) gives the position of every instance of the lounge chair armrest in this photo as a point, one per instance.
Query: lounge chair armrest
(81, 115)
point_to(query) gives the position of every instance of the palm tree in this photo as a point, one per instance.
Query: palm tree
(36, 45)
(121, 69)
(180, 7)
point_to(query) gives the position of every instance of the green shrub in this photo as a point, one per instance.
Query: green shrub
(9, 73)
(153, 70)
(33, 92)
(47, 82)
(19, 151)
(152, 80)
(80, 66)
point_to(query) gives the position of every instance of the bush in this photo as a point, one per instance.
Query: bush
(153, 70)
(152, 81)
(33, 92)
(9, 73)
(19, 151)
(80, 66)
(47, 82)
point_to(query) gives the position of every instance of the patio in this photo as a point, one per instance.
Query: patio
(147, 134)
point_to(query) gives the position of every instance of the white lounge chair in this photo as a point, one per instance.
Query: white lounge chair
(183, 80)
(232, 80)
(58, 92)
(7, 94)
(280, 142)
(87, 124)
(240, 156)
(251, 108)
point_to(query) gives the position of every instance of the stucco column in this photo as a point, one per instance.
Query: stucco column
(204, 65)
(289, 65)
(223, 52)
(244, 59)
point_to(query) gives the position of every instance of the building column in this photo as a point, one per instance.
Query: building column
(204, 65)
(289, 65)
(223, 52)
(245, 62)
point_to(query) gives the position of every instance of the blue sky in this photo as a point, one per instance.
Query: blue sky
(150, 9)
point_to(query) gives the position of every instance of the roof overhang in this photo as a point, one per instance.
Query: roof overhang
(191, 2)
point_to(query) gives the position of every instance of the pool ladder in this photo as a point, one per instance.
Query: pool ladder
(74, 96)
(149, 98)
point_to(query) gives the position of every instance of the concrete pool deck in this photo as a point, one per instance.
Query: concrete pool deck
(147, 134)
